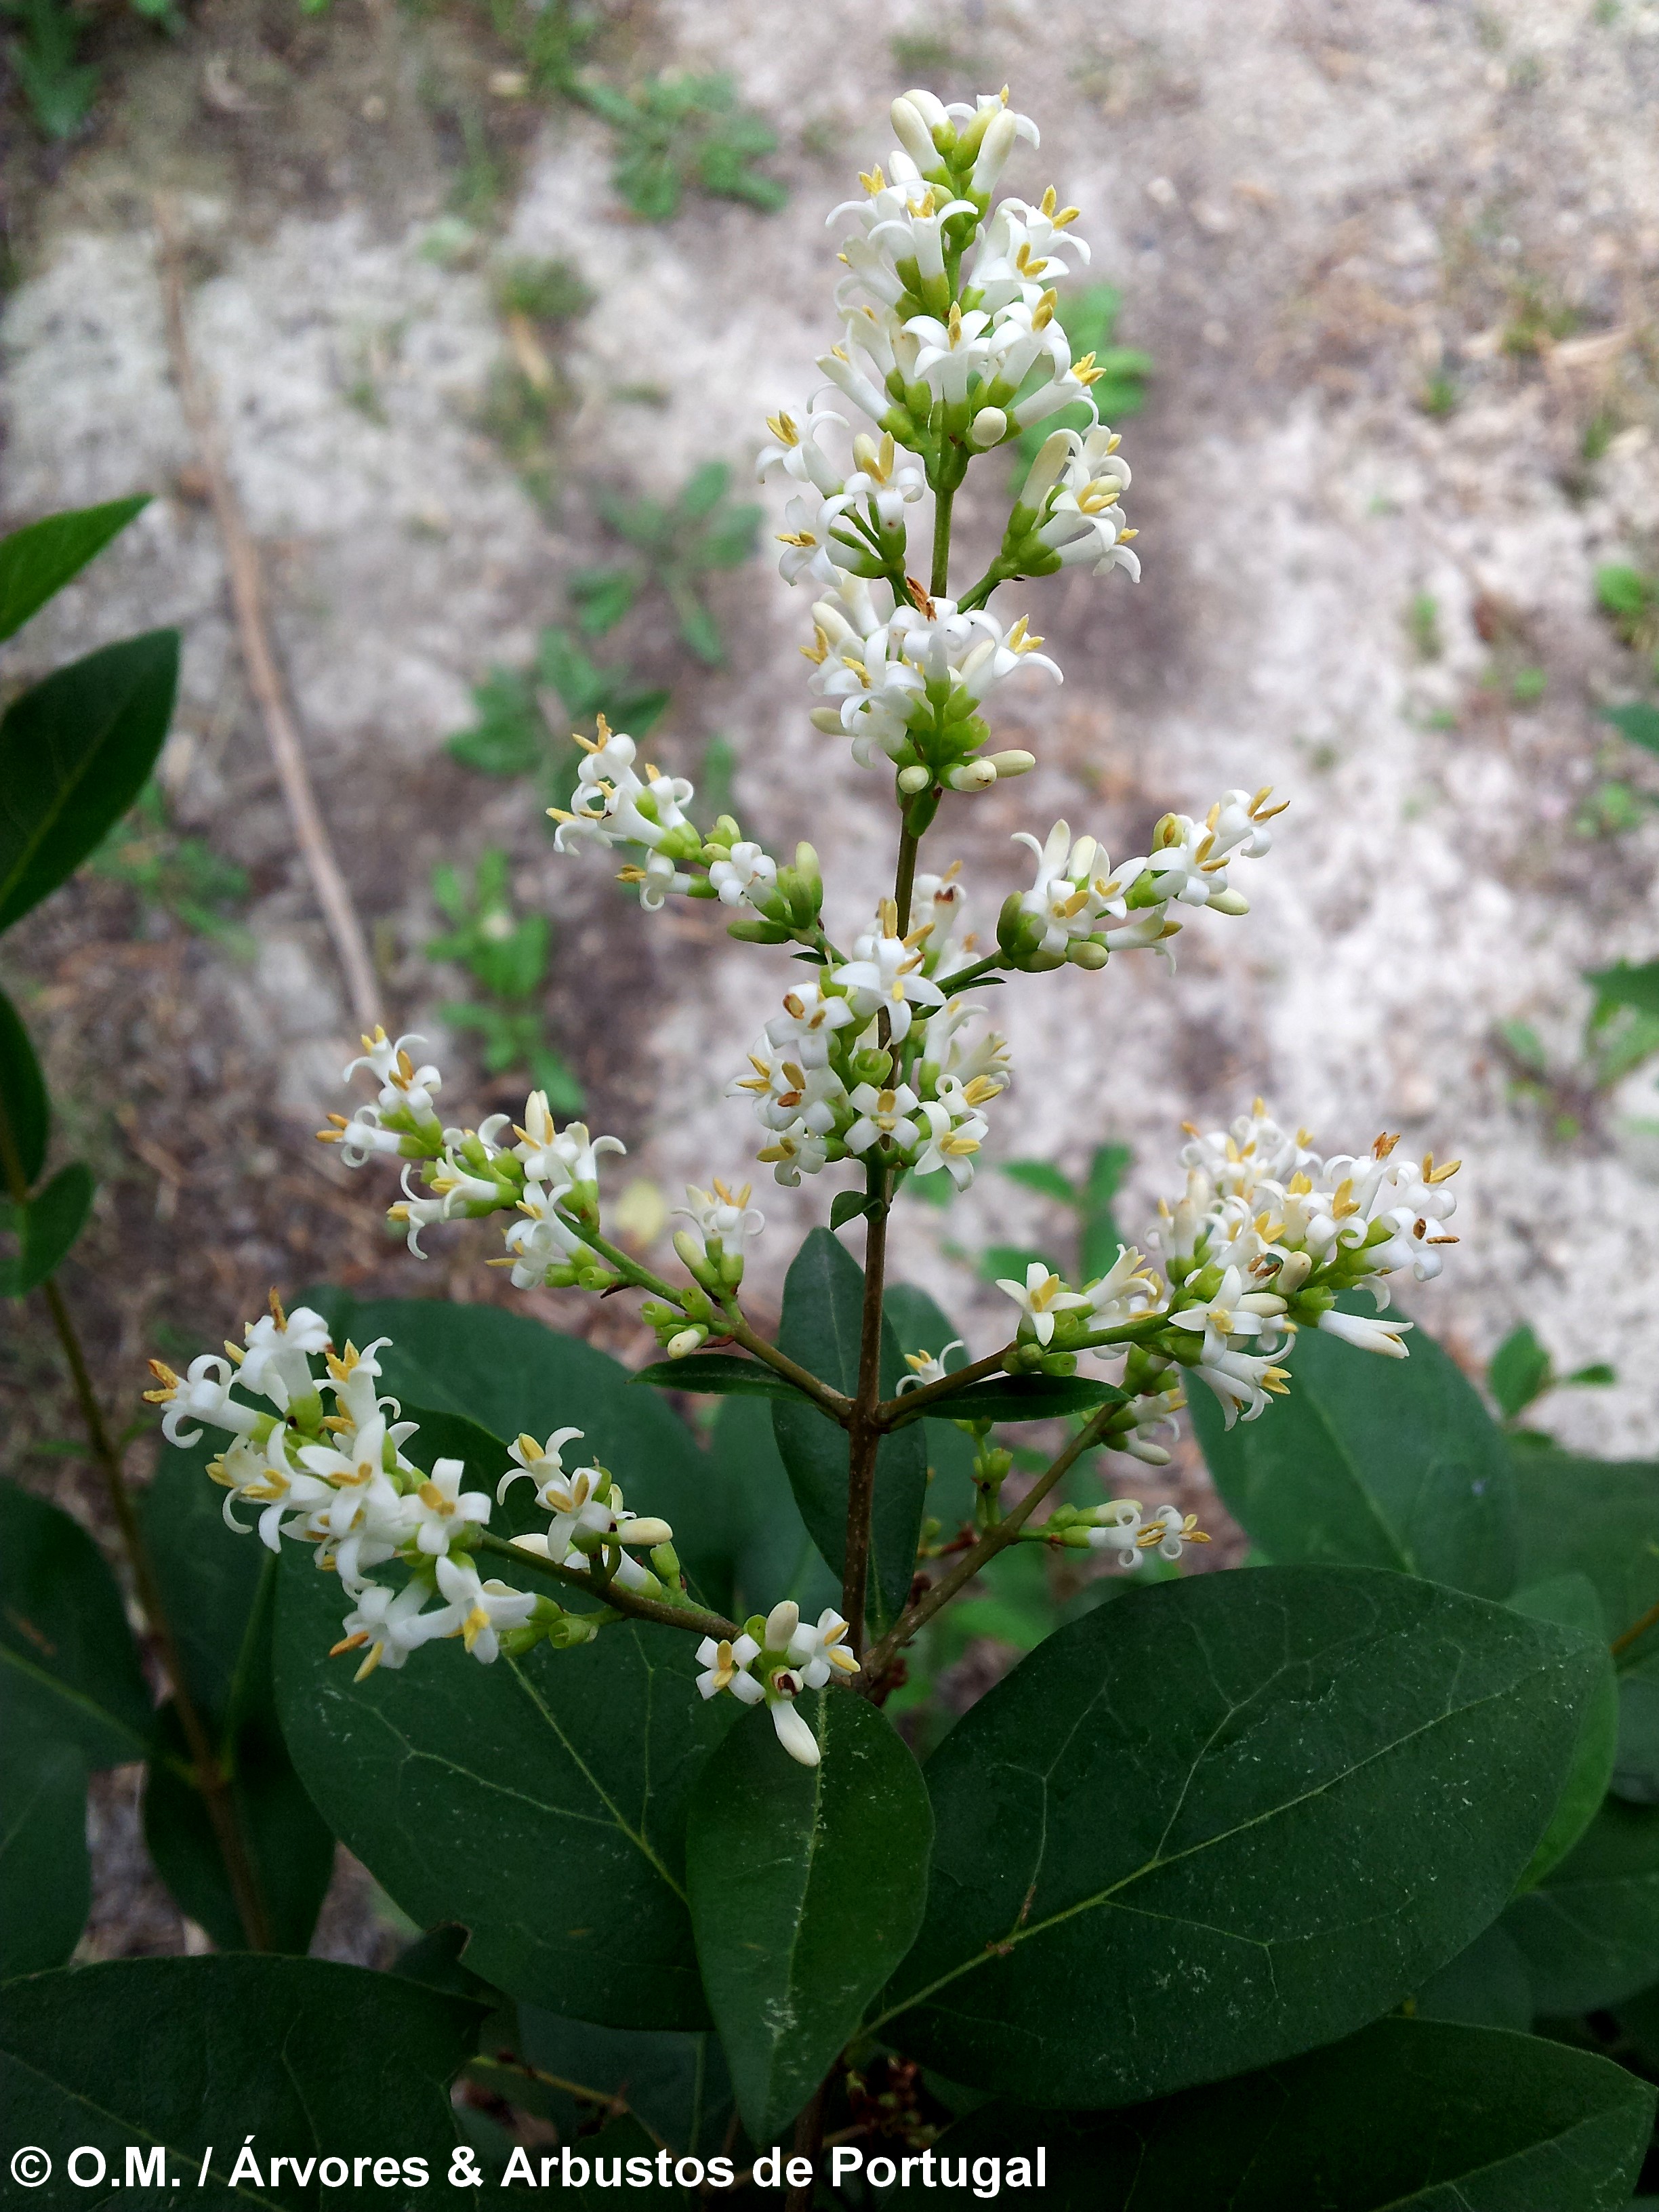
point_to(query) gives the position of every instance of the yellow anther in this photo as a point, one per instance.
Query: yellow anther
(1433, 1173)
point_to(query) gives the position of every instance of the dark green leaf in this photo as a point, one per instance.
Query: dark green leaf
(1600, 1516)
(38, 560)
(74, 752)
(22, 1093)
(512, 1375)
(1041, 1176)
(220, 1591)
(922, 1326)
(1375, 1463)
(1589, 1932)
(1626, 986)
(47, 1227)
(539, 1803)
(68, 1670)
(1570, 1602)
(1232, 1783)
(847, 1206)
(510, 737)
(1636, 1761)
(1486, 1986)
(823, 1311)
(718, 1374)
(807, 1885)
(316, 2060)
(1519, 1371)
(1107, 1170)
(1000, 1262)
(676, 2084)
(1638, 723)
(774, 1558)
(1407, 2114)
(1030, 1398)
(46, 1878)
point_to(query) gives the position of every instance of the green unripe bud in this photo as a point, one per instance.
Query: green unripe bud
(655, 1315)
(1084, 953)
(667, 1561)
(573, 1629)
(759, 933)
(873, 1066)
(697, 1259)
(693, 1303)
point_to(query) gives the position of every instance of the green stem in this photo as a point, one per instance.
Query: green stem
(864, 1434)
(995, 1539)
(941, 576)
(838, 1408)
(896, 1412)
(904, 880)
(208, 1767)
(964, 977)
(689, 1617)
(1634, 1631)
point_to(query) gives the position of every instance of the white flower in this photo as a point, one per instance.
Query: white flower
(277, 1362)
(883, 1116)
(955, 1127)
(392, 1624)
(793, 1152)
(1040, 1298)
(1124, 1530)
(203, 1394)
(928, 1367)
(723, 1218)
(1231, 1318)
(885, 976)
(1370, 1332)
(806, 552)
(819, 1649)
(744, 867)
(799, 455)
(793, 1732)
(443, 1510)
(483, 1611)
(1127, 1289)
(725, 1666)
(559, 1158)
(807, 1027)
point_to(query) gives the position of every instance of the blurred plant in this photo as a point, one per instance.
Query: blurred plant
(60, 90)
(180, 876)
(1629, 597)
(508, 956)
(680, 543)
(1521, 1372)
(1423, 626)
(1094, 1228)
(1614, 805)
(1440, 395)
(1620, 1033)
(675, 131)
(519, 733)
(1089, 318)
(1537, 318)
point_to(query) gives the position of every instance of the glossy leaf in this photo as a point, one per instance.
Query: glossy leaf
(46, 1877)
(1485, 1986)
(1570, 1602)
(1589, 1932)
(1407, 2114)
(538, 1802)
(219, 1592)
(1030, 1398)
(74, 752)
(807, 1885)
(38, 560)
(1372, 1462)
(718, 1374)
(823, 1311)
(22, 1093)
(512, 1374)
(1232, 1783)
(773, 1555)
(1598, 1517)
(47, 1227)
(69, 1668)
(677, 2084)
(1519, 1372)
(310, 2058)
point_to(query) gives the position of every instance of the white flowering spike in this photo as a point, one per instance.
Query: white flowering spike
(393, 1624)
(444, 1509)
(885, 976)
(402, 1123)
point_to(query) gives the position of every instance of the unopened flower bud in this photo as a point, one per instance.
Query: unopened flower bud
(971, 775)
(571, 1629)
(643, 1530)
(827, 719)
(667, 1561)
(687, 1341)
(1013, 762)
(914, 135)
(1084, 953)
(988, 428)
(912, 780)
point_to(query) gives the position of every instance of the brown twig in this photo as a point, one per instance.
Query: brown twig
(247, 598)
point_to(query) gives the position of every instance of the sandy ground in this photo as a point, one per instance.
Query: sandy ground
(1312, 212)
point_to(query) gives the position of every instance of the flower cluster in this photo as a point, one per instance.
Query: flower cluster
(777, 1656)
(1266, 1239)
(870, 1063)
(1081, 910)
(324, 1460)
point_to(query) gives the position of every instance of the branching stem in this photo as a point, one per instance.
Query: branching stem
(609, 1595)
